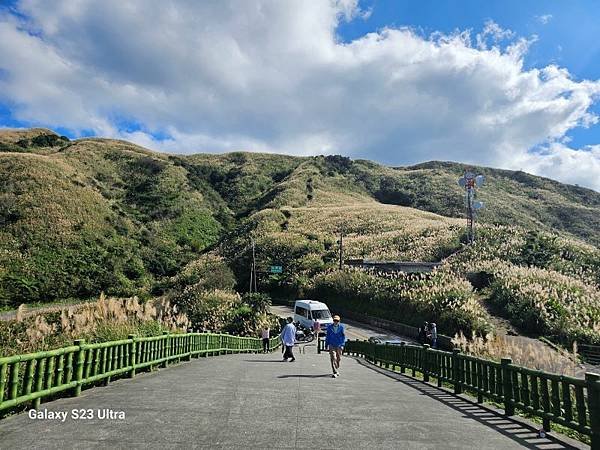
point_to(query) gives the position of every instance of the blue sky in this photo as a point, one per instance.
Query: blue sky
(510, 84)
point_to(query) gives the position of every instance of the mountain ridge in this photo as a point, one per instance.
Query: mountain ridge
(94, 214)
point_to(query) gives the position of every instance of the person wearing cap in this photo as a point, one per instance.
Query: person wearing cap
(335, 340)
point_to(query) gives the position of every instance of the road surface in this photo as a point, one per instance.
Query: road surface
(256, 401)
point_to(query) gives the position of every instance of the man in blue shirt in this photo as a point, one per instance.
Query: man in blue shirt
(335, 340)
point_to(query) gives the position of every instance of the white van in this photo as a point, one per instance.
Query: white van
(307, 311)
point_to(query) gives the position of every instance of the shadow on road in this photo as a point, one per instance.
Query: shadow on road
(305, 376)
(513, 428)
(265, 360)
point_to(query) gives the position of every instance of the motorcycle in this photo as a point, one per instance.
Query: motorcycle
(304, 335)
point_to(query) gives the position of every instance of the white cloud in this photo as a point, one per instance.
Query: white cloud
(563, 163)
(492, 31)
(272, 75)
(544, 18)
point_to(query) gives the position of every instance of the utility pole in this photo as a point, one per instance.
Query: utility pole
(253, 283)
(341, 241)
(254, 266)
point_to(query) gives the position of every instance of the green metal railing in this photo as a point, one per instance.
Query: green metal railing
(27, 379)
(571, 402)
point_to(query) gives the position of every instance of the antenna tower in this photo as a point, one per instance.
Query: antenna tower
(470, 181)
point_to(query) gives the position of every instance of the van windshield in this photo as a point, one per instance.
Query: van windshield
(318, 314)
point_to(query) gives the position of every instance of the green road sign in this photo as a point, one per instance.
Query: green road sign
(276, 269)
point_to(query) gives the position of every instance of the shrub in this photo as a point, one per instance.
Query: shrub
(546, 302)
(406, 298)
(208, 272)
(102, 320)
(258, 302)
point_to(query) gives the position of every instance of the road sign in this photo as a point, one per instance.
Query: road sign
(276, 269)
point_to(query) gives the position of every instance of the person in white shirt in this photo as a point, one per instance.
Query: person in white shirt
(288, 339)
(266, 334)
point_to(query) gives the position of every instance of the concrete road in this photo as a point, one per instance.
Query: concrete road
(256, 401)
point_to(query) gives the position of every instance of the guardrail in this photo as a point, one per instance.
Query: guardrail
(27, 379)
(402, 329)
(571, 402)
(590, 353)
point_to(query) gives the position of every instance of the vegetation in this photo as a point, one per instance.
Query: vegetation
(91, 215)
(540, 356)
(204, 291)
(104, 320)
(546, 285)
(406, 298)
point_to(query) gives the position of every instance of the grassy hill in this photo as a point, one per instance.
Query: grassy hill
(80, 217)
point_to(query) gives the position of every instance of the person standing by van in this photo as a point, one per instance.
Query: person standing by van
(265, 334)
(288, 339)
(316, 327)
(335, 341)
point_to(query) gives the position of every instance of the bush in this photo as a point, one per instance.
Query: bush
(545, 302)
(208, 310)
(208, 273)
(104, 320)
(405, 298)
(259, 302)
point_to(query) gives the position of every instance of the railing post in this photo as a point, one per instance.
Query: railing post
(425, 362)
(402, 356)
(593, 391)
(188, 345)
(507, 390)
(386, 355)
(13, 382)
(39, 380)
(166, 348)
(3, 380)
(79, 366)
(439, 366)
(456, 378)
(132, 355)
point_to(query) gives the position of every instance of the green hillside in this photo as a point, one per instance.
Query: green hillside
(80, 217)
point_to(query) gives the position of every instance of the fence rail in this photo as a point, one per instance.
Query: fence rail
(590, 353)
(27, 379)
(571, 402)
(402, 329)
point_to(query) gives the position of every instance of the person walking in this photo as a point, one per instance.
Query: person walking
(433, 335)
(288, 339)
(335, 340)
(265, 334)
(316, 330)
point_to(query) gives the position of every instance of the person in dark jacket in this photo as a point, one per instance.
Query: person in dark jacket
(335, 340)
(426, 331)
